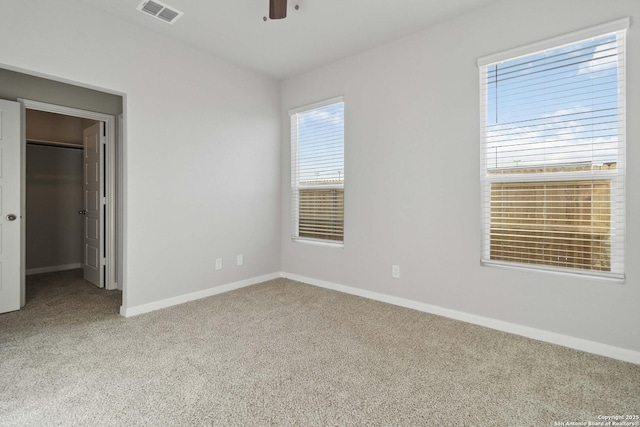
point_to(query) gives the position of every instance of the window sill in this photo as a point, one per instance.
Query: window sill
(606, 277)
(317, 242)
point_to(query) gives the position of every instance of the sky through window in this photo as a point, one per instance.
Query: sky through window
(321, 144)
(559, 107)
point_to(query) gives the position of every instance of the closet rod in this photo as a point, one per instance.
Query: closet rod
(54, 144)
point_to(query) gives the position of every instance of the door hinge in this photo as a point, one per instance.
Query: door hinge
(104, 200)
(104, 261)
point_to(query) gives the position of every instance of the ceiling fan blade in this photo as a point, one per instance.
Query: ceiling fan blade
(277, 9)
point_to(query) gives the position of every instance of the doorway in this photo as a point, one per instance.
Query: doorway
(63, 225)
(85, 140)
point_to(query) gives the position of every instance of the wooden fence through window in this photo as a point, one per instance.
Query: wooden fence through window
(558, 223)
(321, 214)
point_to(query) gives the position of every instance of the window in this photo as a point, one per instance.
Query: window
(317, 172)
(552, 154)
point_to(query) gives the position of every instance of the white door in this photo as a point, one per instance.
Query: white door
(93, 204)
(10, 216)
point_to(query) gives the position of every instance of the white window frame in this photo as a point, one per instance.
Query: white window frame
(618, 199)
(296, 187)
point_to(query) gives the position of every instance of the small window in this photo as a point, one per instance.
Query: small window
(317, 172)
(552, 154)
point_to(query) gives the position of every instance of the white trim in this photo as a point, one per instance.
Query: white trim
(181, 299)
(601, 349)
(556, 42)
(120, 194)
(317, 242)
(23, 205)
(316, 105)
(110, 280)
(590, 175)
(485, 240)
(618, 229)
(294, 201)
(562, 271)
(53, 268)
(110, 156)
(69, 111)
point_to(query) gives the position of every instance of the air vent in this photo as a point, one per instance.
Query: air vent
(160, 11)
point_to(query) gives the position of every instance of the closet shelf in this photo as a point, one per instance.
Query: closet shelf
(54, 143)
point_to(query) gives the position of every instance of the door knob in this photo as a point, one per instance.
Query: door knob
(83, 212)
(11, 217)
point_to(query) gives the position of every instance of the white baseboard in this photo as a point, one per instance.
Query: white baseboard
(52, 268)
(181, 299)
(500, 325)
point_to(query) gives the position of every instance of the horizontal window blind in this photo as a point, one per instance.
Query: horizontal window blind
(552, 157)
(317, 172)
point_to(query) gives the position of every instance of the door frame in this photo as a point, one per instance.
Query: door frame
(110, 280)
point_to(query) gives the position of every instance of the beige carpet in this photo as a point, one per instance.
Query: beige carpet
(285, 353)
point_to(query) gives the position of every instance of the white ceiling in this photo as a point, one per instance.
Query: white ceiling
(320, 32)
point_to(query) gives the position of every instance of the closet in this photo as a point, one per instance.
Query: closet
(54, 193)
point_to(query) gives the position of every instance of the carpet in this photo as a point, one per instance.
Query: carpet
(283, 353)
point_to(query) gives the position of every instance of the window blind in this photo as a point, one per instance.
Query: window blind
(552, 156)
(317, 171)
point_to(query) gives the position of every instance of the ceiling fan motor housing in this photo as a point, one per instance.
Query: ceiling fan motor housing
(277, 9)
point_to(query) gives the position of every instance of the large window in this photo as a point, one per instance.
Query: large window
(552, 154)
(317, 172)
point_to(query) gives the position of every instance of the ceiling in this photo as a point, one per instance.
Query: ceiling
(320, 32)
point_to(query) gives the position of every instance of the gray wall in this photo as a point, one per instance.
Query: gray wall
(14, 85)
(412, 189)
(54, 197)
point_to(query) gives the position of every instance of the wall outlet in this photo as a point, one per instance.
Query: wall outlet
(218, 263)
(239, 259)
(395, 271)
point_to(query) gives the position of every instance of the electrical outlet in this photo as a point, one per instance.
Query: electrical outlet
(218, 263)
(239, 259)
(395, 271)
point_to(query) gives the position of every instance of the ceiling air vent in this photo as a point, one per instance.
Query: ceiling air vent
(160, 11)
